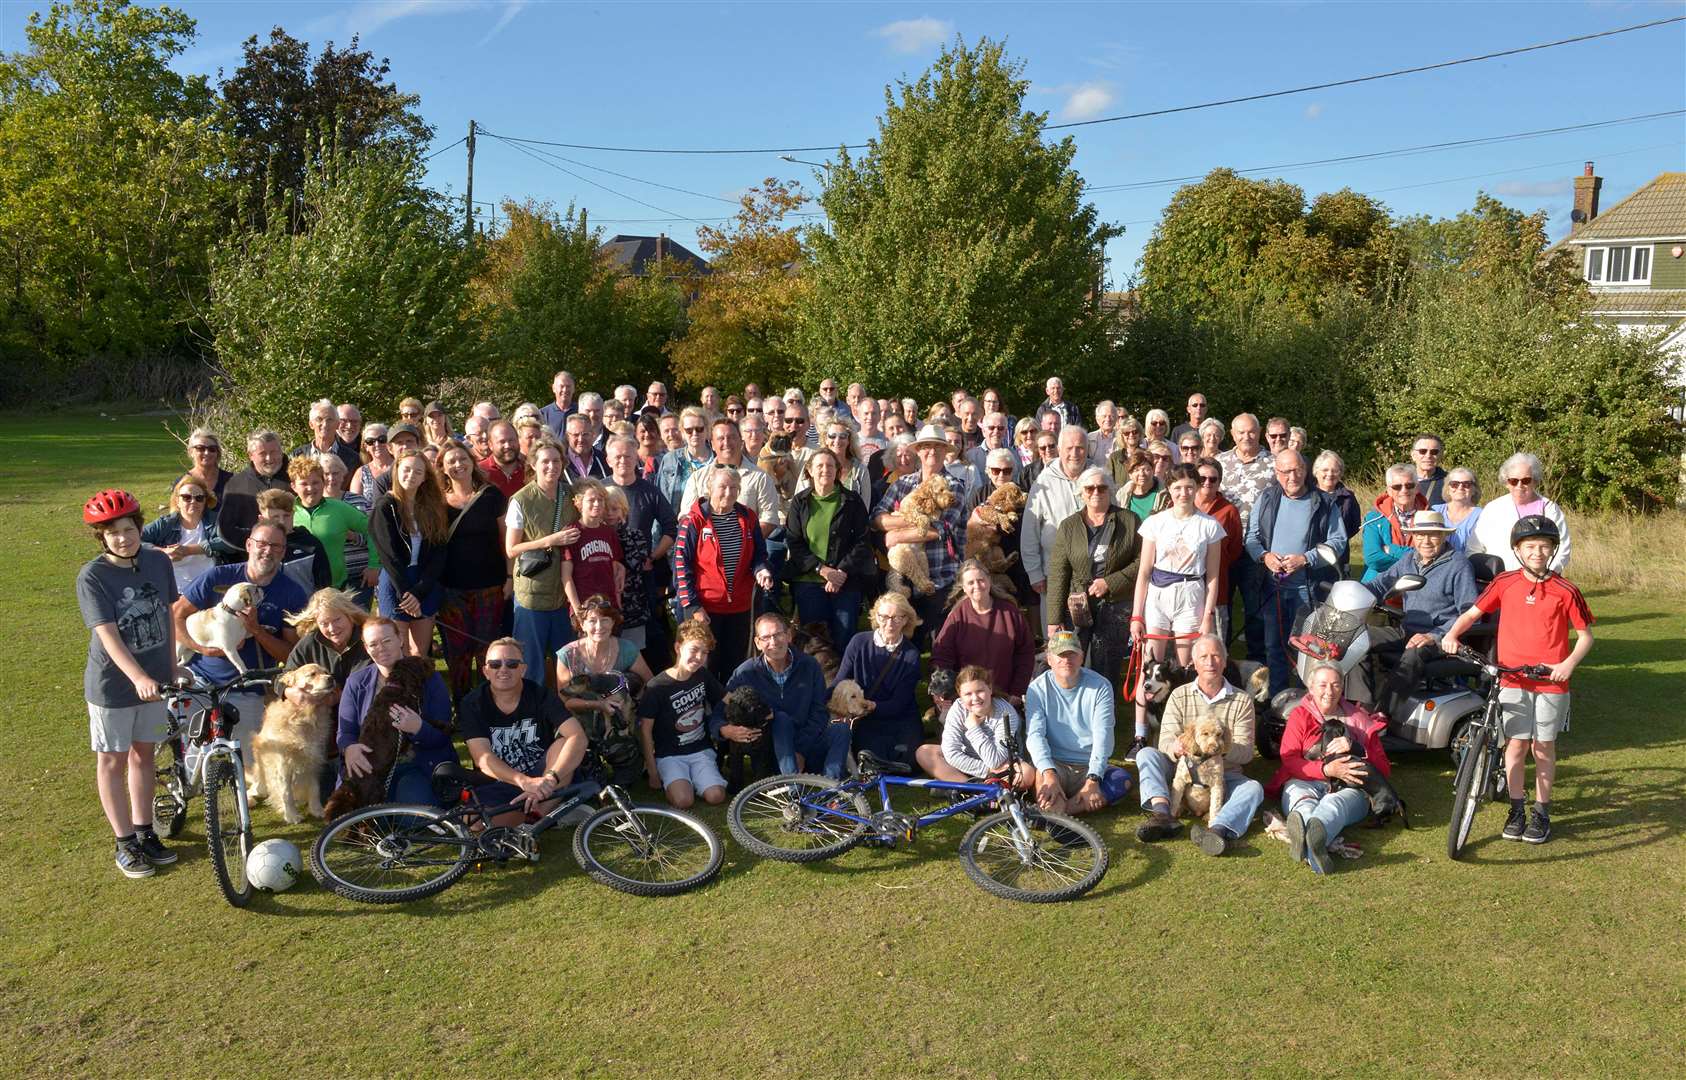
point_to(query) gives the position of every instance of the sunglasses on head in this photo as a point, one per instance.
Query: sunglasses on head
(499, 665)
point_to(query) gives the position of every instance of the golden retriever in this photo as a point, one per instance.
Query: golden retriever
(287, 753)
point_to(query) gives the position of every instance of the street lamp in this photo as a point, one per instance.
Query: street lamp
(800, 161)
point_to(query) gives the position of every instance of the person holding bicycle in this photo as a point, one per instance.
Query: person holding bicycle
(518, 733)
(125, 596)
(1536, 607)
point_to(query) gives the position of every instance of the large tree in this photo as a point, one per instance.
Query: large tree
(960, 250)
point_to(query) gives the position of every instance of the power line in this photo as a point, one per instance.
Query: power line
(1600, 155)
(1150, 113)
(587, 180)
(442, 149)
(623, 176)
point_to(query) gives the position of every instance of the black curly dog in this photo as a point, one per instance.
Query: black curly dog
(744, 707)
(1384, 798)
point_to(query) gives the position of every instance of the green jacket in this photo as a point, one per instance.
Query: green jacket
(329, 521)
(544, 592)
(1069, 566)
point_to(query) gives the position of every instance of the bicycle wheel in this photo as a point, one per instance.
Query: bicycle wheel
(653, 851)
(769, 819)
(1467, 791)
(169, 799)
(1062, 860)
(391, 853)
(228, 831)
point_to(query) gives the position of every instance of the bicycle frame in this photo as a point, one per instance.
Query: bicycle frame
(983, 794)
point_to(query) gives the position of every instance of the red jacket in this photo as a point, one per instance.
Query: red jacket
(1229, 517)
(699, 576)
(1305, 727)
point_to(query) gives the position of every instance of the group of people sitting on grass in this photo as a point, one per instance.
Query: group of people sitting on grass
(737, 542)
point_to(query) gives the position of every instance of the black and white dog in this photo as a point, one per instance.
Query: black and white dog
(1160, 677)
(1384, 798)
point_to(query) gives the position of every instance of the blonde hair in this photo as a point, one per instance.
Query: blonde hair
(325, 601)
(189, 480)
(902, 606)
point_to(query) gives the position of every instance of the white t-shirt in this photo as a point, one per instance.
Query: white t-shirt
(189, 568)
(1179, 547)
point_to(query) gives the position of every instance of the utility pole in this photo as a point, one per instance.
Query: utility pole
(468, 197)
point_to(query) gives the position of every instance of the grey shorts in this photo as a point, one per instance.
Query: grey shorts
(114, 731)
(1072, 777)
(1529, 714)
(701, 770)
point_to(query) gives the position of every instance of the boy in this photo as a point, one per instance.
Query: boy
(306, 563)
(125, 595)
(1536, 608)
(677, 714)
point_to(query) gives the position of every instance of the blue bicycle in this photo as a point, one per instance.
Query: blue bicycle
(1017, 853)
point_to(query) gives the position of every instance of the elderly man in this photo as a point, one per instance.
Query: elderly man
(649, 513)
(591, 407)
(1289, 521)
(677, 465)
(1196, 408)
(870, 437)
(996, 436)
(802, 433)
(828, 398)
(1068, 733)
(756, 489)
(324, 436)
(655, 399)
(557, 412)
(1102, 438)
(791, 683)
(1210, 695)
(1426, 450)
(350, 429)
(1070, 415)
(967, 413)
(486, 411)
(1247, 472)
(239, 511)
(582, 458)
(1054, 497)
(474, 435)
(1429, 612)
(1277, 432)
(944, 542)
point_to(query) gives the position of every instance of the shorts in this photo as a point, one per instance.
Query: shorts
(114, 730)
(1530, 714)
(1115, 781)
(1176, 607)
(701, 770)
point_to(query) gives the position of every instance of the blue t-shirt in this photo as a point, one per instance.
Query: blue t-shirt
(281, 597)
(1293, 525)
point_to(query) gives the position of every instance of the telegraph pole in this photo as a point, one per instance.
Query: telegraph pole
(468, 197)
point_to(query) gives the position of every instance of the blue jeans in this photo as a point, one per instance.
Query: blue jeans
(840, 611)
(541, 634)
(823, 750)
(1249, 577)
(1242, 797)
(1282, 603)
(412, 783)
(1311, 799)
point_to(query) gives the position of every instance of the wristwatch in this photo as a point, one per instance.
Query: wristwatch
(1095, 778)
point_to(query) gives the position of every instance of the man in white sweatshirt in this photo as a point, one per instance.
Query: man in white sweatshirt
(1053, 498)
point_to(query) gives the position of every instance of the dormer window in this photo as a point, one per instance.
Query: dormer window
(1625, 265)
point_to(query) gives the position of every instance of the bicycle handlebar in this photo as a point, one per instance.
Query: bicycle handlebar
(1533, 671)
(250, 678)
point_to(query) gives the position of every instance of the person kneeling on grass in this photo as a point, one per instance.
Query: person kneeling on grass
(519, 734)
(806, 737)
(1068, 733)
(677, 713)
(976, 735)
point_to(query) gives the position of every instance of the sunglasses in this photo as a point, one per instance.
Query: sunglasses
(1000, 471)
(1400, 487)
(1427, 450)
(185, 497)
(500, 665)
(1514, 481)
(1092, 488)
(1162, 457)
(410, 415)
(373, 439)
(732, 410)
(1274, 435)
(1204, 479)
(694, 431)
(206, 449)
(1460, 483)
(837, 435)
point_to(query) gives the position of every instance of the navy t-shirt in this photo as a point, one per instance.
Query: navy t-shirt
(281, 597)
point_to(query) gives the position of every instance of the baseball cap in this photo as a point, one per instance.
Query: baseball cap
(1063, 641)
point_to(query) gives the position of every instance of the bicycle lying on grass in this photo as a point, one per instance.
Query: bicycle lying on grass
(198, 754)
(394, 852)
(1480, 752)
(1017, 853)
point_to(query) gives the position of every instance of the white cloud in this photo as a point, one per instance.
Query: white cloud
(511, 9)
(1533, 189)
(1314, 110)
(367, 16)
(1086, 100)
(915, 35)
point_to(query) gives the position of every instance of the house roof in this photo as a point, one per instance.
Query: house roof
(633, 253)
(1639, 302)
(1657, 210)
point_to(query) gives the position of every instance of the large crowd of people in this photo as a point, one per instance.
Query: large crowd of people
(741, 540)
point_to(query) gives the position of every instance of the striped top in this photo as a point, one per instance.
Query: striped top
(730, 537)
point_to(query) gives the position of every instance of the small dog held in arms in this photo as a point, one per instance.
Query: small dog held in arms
(385, 742)
(1001, 512)
(1384, 798)
(848, 701)
(910, 571)
(1199, 780)
(741, 762)
(287, 754)
(219, 626)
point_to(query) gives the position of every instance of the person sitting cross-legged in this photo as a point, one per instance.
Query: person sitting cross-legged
(678, 714)
(519, 734)
(1068, 733)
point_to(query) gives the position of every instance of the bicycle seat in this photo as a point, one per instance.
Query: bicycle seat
(872, 763)
(451, 776)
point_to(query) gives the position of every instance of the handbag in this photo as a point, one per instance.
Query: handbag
(533, 563)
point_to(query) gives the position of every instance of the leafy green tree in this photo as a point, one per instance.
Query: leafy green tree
(960, 250)
(1207, 241)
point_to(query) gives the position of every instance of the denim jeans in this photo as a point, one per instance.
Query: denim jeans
(839, 611)
(411, 783)
(1311, 799)
(1242, 797)
(1282, 602)
(1249, 577)
(541, 634)
(823, 751)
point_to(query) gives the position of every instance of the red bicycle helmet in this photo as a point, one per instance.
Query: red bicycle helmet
(109, 505)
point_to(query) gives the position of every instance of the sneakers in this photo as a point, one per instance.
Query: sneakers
(131, 861)
(1211, 841)
(152, 848)
(1136, 747)
(1317, 847)
(1539, 826)
(1515, 823)
(1158, 827)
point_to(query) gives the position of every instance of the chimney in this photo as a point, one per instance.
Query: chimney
(1586, 198)
(661, 238)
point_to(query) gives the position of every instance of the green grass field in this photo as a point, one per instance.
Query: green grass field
(1562, 960)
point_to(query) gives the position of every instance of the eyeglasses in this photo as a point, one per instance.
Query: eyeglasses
(410, 415)
(1274, 435)
(1045, 446)
(1400, 487)
(373, 439)
(1093, 488)
(206, 449)
(1000, 470)
(1290, 472)
(1204, 479)
(182, 496)
(261, 546)
(694, 431)
(1517, 481)
(1161, 457)
(500, 665)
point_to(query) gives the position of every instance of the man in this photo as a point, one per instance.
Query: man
(557, 412)
(1209, 500)
(583, 459)
(474, 436)
(1068, 733)
(649, 512)
(486, 411)
(330, 521)
(1247, 472)
(791, 683)
(755, 434)
(943, 543)
(772, 411)
(518, 733)
(1046, 447)
(796, 425)
(324, 436)
(751, 392)
(655, 399)
(305, 560)
(402, 437)
(853, 398)
(755, 489)
(239, 509)
(1102, 438)
(1053, 498)
(962, 468)
(1425, 455)
(591, 407)
(350, 429)
(828, 399)
(677, 465)
(996, 436)
(503, 467)
(1277, 432)
(1429, 612)
(626, 397)
(1289, 521)
(870, 436)
(1196, 415)
(1069, 414)
(668, 430)
(971, 435)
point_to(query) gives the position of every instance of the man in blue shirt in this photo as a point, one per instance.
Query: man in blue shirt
(555, 415)
(1068, 733)
(1448, 591)
(1288, 522)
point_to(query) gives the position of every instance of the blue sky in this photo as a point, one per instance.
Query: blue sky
(795, 74)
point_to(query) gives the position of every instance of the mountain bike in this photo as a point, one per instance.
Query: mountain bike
(1479, 751)
(1017, 853)
(392, 853)
(201, 754)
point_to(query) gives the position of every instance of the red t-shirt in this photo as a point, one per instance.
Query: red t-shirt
(594, 556)
(1534, 621)
(510, 484)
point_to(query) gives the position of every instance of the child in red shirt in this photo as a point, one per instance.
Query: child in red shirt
(592, 565)
(1536, 609)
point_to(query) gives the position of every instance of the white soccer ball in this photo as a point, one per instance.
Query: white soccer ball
(274, 865)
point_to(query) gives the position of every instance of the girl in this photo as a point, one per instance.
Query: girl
(594, 564)
(975, 735)
(408, 529)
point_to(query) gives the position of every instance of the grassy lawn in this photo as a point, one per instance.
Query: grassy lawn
(1562, 960)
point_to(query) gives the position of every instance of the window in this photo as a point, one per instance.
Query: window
(1595, 264)
(1626, 265)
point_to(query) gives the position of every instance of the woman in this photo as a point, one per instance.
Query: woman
(718, 558)
(635, 561)
(1330, 473)
(1316, 814)
(541, 518)
(1158, 425)
(1522, 474)
(1024, 441)
(1211, 437)
(977, 732)
(1384, 526)
(204, 461)
(852, 472)
(436, 428)
(477, 574)
(1176, 587)
(187, 533)
(885, 662)
(734, 408)
(1462, 508)
(709, 399)
(329, 630)
(371, 480)
(985, 629)
(429, 728)
(1091, 572)
(829, 561)
(1188, 447)
(651, 449)
(598, 650)
(409, 531)
(1139, 490)
(1163, 457)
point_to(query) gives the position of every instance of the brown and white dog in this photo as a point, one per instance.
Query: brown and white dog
(1199, 777)
(910, 571)
(287, 753)
(219, 626)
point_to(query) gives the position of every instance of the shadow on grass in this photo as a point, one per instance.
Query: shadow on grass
(1612, 810)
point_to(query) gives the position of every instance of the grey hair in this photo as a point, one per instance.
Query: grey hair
(261, 436)
(1464, 472)
(628, 387)
(1246, 416)
(589, 399)
(1329, 457)
(1098, 473)
(630, 443)
(1158, 414)
(1324, 665)
(1212, 422)
(1216, 639)
(1535, 469)
(1082, 433)
(1401, 470)
(324, 403)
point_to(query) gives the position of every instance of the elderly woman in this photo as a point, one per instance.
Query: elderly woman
(1317, 814)
(885, 662)
(1127, 439)
(1092, 567)
(830, 560)
(852, 473)
(718, 559)
(370, 481)
(1462, 508)
(1188, 447)
(1330, 473)
(986, 629)
(1158, 425)
(429, 728)
(204, 461)
(1138, 488)
(1211, 437)
(1385, 523)
(1024, 441)
(188, 532)
(1297, 438)
(1522, 474)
